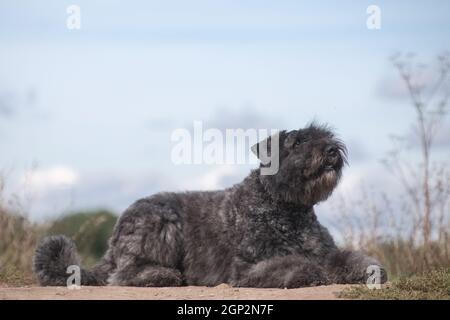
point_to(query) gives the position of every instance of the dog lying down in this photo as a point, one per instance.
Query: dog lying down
(262, 232)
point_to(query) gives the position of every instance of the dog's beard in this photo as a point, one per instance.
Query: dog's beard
(304, 192)
(320, 188)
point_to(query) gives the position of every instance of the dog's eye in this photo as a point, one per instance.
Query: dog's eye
(300, 142)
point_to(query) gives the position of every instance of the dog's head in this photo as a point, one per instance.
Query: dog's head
(310, 165)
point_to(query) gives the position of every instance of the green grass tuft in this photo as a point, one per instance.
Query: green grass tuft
(432, 285)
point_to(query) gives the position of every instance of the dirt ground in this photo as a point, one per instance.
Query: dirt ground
(222, 291)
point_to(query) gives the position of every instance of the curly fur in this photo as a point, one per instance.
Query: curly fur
(262, 232)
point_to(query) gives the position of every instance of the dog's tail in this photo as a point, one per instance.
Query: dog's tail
(53, 257)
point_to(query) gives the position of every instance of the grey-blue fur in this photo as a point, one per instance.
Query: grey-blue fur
(262, 232)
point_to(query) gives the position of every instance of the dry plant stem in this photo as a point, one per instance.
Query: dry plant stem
(426, 133)
(408, 230)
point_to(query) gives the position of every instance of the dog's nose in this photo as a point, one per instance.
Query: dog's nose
(331, 150)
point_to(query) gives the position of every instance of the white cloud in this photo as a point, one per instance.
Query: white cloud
(43, 180)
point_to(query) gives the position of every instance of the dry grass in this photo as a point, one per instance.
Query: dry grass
(18, 238)
(389, 230)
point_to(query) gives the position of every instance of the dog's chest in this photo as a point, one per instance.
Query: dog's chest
(282, 234)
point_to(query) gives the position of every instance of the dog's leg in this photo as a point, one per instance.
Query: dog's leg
(278, 272)
(145, 275)
(147, 245)
(353, 267)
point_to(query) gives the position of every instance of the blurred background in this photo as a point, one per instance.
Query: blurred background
(86, 115)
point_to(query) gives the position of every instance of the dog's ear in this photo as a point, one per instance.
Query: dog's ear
(263, 149)
(256, 147)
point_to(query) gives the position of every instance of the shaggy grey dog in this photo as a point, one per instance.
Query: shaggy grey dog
(262, 232)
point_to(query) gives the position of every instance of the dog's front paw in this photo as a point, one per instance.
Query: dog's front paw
(306, 276)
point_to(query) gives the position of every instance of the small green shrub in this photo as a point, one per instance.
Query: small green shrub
(90, 230)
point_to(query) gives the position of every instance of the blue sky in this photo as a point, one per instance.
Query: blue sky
(93, 109)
